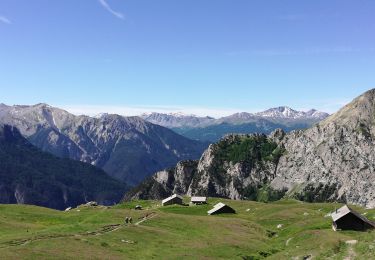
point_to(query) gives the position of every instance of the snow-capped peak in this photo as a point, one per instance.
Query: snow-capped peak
(289, 113)
(181, 114)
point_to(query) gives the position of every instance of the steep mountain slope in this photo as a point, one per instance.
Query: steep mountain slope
(337, 156)
(236, 167)
(209, 129)
(127, 148)
(30, 176)
(332, 161)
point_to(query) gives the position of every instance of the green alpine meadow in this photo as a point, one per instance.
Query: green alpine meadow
(287, 229)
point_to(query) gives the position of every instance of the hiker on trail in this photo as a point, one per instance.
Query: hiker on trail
(126, 220)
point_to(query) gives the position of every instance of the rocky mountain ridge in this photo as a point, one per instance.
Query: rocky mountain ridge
(331, 161)
(289, 113)
(173, 120)
(127, 148)
(210, 129)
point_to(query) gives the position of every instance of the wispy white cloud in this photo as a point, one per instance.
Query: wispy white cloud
(93, 110)
(3, 19)
(289, 52)
(109, 9)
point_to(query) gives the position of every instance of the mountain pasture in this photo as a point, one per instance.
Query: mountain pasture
(281, 230)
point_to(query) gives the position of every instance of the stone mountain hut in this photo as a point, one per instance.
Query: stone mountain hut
(221, 208)
(198, 200)
(345, 218)
(174, 199)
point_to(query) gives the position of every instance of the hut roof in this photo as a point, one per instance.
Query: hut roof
(343, 211)
(216, 208)
(198, 199)
(171, 198)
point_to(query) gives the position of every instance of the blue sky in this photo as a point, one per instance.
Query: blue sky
(205, 57)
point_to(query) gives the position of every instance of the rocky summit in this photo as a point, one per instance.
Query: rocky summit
(127, 148)
(335, 158)
(331, 161)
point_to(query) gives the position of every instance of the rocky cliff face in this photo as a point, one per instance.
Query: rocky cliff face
(127, 148)
(236, 167)
(332, 161)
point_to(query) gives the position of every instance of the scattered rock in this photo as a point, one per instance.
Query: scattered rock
(92, 204)
(68, 209)
(306, 214)
(247, 210)
(351, 242)
(279, 226)
(127, 241)
(307, 257)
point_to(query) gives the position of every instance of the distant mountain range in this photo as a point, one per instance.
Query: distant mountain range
(334, 160)
(131, 148)
(177, 120)
(127, 148)
(211, 129)
(30, 176)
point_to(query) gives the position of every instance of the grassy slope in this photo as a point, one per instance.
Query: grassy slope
(180, 232)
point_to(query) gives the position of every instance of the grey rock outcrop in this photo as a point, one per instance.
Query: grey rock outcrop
(216, 174)
(338, 152)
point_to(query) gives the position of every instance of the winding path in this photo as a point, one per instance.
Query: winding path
(103, 230)
(24, 241)
(148, 217)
